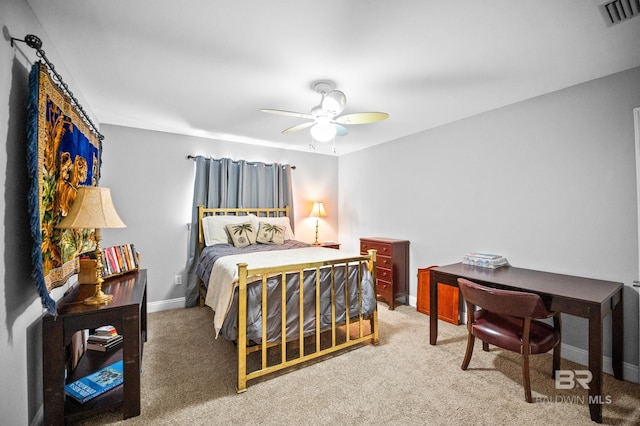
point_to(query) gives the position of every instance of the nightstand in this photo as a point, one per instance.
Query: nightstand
(330, 244)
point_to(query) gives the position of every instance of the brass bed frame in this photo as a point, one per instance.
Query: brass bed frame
(354, 332)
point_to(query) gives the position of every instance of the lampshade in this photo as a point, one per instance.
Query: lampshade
(323, 130)
(92, 208)
(318, 210)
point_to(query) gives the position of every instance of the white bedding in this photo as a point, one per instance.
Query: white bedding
(224, 274)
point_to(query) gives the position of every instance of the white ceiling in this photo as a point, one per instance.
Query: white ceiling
(206, 68)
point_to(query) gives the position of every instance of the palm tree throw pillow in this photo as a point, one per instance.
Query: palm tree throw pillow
(268, 233)
(242, 234)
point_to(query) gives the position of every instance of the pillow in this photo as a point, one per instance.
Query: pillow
(270, 233)
(242, 234)
(280, 221)
(214, 229)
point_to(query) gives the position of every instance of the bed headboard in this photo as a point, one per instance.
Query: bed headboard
(258, 211)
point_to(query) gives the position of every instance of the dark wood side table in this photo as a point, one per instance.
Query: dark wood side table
(330, 245)
(128, 314)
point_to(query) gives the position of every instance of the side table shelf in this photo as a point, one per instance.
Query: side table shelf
(128, 313)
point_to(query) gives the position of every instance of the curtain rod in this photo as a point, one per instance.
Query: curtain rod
(35, 43)
(192, 157)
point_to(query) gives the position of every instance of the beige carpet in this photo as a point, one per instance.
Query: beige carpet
(189, 379)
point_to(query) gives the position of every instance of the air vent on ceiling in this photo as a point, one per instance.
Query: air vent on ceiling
(617, 11)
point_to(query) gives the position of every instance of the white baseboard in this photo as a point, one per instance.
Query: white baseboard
(164, 305)
(581, 356)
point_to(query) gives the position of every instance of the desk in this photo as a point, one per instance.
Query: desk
(128, 313)
(582, 297)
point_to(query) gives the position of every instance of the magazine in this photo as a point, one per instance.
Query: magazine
(97, 383)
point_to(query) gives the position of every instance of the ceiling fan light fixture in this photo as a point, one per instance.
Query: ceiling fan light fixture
(334, 102)
(326, 121)
(323, 131)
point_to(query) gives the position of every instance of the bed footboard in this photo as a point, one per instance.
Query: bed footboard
(350, 331)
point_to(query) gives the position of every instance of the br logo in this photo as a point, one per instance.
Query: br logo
(568, 379)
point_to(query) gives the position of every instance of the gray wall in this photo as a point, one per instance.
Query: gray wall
(151, 184)
(20, 306)
(550, 183)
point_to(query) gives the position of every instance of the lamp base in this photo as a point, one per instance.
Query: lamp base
(99, 298)
(316, 243)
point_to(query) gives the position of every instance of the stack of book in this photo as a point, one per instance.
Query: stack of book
(105, 338)
(484, 260)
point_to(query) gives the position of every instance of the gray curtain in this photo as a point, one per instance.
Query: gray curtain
(224, 183)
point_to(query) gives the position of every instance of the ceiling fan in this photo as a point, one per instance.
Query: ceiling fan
(327, 123)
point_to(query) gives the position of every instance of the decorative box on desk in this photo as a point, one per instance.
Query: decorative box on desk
(128, 314)
(392, 267)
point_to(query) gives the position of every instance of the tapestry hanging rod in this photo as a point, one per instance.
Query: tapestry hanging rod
(193, 157)
(35, 43)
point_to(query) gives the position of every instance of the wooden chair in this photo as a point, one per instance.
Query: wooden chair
(507, 319)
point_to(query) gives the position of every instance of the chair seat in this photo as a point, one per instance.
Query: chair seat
(506, 332)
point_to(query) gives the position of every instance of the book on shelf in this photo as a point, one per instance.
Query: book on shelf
(96, 338)
(106, 330)
(105, 346)
(120, 259)
(88, 387)
(116, 254)
(104, 338)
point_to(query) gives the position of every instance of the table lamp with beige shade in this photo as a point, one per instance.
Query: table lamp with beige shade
(317, 211)
(93, 209)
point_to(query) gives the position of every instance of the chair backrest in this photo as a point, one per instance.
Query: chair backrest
(505, 302)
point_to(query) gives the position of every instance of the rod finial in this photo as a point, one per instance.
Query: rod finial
(32, 41)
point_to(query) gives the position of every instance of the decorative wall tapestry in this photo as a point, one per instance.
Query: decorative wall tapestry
(63, 153)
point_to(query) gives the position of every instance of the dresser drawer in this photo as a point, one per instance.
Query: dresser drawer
(384, 274)
(384, 262)
(385, 289)
(382, 248)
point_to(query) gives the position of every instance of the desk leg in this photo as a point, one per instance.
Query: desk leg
(433, 308)
(617, 333)
(595, 365)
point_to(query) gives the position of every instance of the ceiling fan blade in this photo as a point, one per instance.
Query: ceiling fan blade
(361, 118)
(340, 130)
(299, 127)
(287, 113)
